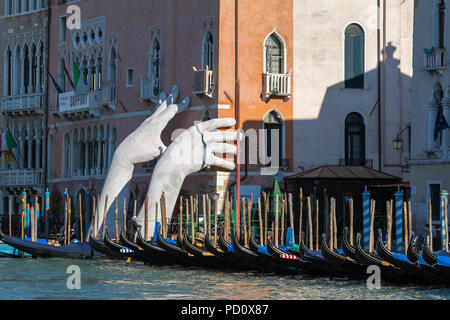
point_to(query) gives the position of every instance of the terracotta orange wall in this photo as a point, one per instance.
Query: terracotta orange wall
(255, 22)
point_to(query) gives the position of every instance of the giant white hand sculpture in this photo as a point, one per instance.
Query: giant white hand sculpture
(143, 145)
(191, 151)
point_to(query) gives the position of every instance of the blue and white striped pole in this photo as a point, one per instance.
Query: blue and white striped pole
(366, 218)
(399, 221)
(444, 197)
(87, 216)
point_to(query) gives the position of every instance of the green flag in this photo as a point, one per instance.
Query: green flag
(76, 74)
(276, 191)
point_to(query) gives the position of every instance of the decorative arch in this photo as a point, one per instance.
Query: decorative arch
(275, 53)
(274, 128)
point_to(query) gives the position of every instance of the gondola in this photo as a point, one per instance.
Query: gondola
(43, 250)
(232, 259)
(438, 260)
(285, 259)
(411, 253)
(263, 253)
(401, 261)
(318, 262)
(99, 246)
(341, 262)
(347, 248)
(129, 253)
(7, 251)
(175, 251)
(154, 252)
(211, 247)
(207, 258)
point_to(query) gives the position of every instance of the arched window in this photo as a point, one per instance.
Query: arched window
(274, 53)
(8, 72)
(66, 156)
(50, 157)
(34, 68)
(17, 71)
(155, 66)
(354, 140)
(112, 70)
(273, 128)
(208, 52)
(354, 56)
(41, 67)
(26, 69)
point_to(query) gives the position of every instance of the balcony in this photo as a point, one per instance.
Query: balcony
(25, 104)
(18, 178)
(73, 106)
(203, 82)
(108, 96)
(434, 59)
(149, 89)
(276, 85)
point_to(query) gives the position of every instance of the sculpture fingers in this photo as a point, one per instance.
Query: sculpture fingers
(215, 124)
(222, 136)
(173, 96)
(222, 148)
(219, 162)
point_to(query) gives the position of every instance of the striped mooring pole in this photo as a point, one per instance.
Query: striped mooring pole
(87, 216)
(400, 246)
(366, 218)
(444, 197)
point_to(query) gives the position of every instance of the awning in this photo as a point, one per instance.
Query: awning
(345, 173)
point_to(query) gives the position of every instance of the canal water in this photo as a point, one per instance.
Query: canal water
(112, 279)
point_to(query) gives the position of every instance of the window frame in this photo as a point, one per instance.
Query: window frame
(344, 37)
(283, 50)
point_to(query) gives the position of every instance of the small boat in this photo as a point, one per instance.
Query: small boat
(342, 262)
(412, 253)
(206, 258)
(347, 248)
(99, 246)
(171, 247)
(438, 260)
(285, 259)
(7, 251)
(43, 250)
(401, 261)
(317, 260)
(232, 259)
(154, 252)
(122, 250)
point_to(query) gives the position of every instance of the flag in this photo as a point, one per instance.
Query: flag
(441, 124)
(47, 212)
(76, 74)
(7, 145)
(67, 74)
(276, 191)
(58, 88)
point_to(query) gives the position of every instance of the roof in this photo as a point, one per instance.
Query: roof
(344, 172)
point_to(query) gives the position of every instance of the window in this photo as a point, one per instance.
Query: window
(354, 140)
(129, 77)
(9, 7)
(63, 29)
(8, 72)
(354, 56)
(435, 194)
(441, 8)
(155, 65)
(273, 126)
(208, 52)
(112, 71)
(274, 52)
(66, 156)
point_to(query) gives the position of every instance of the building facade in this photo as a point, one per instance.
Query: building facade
(23, 76)
(125, 63)
(430, 161)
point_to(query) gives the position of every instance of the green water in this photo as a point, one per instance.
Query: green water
(112, 279)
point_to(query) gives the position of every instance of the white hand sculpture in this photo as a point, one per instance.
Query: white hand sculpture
(191, 151)
(143, 145)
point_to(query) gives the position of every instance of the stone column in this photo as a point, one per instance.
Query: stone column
(30, 72)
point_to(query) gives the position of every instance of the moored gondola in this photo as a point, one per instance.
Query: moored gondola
(286, 259)
(341, 262)
(437, 260)
(155, 252)
(77, 250)
(101, 247)
(347, 248)
(180, 254)
(318, 262)
(206, 258)
(120, 249)
(412, 253)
